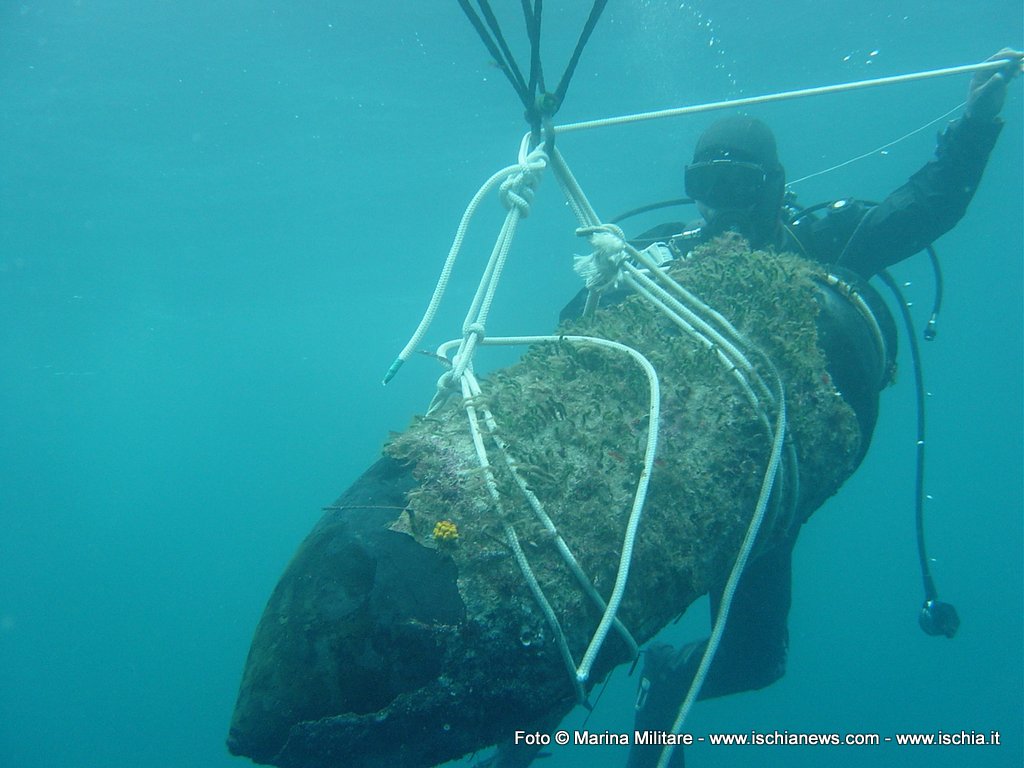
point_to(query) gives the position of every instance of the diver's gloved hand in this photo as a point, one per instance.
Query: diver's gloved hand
(988, 88)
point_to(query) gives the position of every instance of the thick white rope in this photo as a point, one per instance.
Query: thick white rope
(608, 261)
(474, 326)
(610, 258)
(731, 358)
(704, 316)
(516, 183)
(629, 539)
(574, 195)
(636, 512)
(772, 97)
(535, 504)
(731, 368)
(611, 250)
(735, 362)
(609, 617)
(610, 264)
(517, 196)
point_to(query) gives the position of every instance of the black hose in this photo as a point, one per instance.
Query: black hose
(651, 207)
(929, 329)
(936, 617)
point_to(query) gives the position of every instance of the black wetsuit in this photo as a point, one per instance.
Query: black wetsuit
(866, 239)
(859, 239)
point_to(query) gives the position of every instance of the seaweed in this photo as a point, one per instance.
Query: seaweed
(574, 419)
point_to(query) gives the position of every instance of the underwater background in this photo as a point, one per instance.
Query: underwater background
(220, 222)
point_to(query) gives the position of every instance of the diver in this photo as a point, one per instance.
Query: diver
(738, 185)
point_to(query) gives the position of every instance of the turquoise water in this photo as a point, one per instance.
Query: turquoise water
(220, 222)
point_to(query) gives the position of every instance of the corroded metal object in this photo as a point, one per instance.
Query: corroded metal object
(387, 644)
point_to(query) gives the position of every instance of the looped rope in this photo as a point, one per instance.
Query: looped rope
(518, 182)
(474, 329)
(517, 190)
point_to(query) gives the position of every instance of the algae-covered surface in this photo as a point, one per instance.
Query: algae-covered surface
(574, 419)
(404, 631)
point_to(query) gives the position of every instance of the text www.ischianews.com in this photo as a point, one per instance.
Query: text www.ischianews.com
(757, 738)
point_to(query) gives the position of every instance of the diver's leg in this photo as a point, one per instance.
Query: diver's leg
(751, 655)
(663, 685)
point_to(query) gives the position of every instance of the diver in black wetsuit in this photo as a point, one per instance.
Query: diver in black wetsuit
(738, 185)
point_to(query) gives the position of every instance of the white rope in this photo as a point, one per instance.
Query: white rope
(732, 358)
(516, 183)
(731, 368)
(475, 324)
(610, 256)
(629, 539)
(577, 199)
(730, 355)
(535, 504)
(517, 195)
(772, 97)
(582, 673)
(549, 613)
(702, 311)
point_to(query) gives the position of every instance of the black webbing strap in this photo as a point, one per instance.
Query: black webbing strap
(532, 17)
(499, 50)
(563, 85)
(540, 105)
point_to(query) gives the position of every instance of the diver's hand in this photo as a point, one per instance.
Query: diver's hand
(988, 87)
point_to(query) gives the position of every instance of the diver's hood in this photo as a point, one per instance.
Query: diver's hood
(748, 140)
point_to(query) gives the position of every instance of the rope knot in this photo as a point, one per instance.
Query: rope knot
(474, 329)
(602, 268)
(517, 190)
